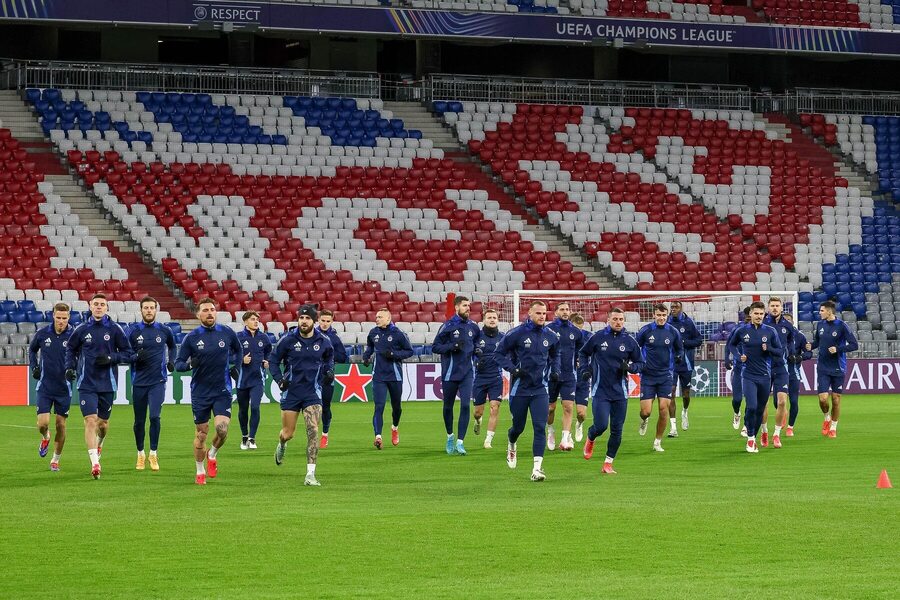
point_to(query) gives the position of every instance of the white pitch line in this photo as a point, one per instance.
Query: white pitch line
(18, 426)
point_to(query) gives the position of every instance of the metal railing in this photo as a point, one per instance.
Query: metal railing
(187, 78)
(586, 92)
(820, 100)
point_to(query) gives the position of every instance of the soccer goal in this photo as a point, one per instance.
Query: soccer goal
(715, 314)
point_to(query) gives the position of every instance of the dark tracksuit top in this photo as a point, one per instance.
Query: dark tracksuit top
(90, 340)
(800, 353)
(570, 342)
(258, 346)
(52, 360)
(456, 365)
(833, 333)
(303, 362)
(660, 348)
(690, 339)
(786, 334)
(749, 340)
(384, 339)
(209, 352)
(534, 350)
(489, 369)
(158, 343)
(603, 356)
(340, 352)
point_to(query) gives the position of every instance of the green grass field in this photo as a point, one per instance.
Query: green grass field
(702, 520)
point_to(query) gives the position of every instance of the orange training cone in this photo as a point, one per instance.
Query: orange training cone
(884, 482)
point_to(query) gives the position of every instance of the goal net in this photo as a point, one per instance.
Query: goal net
(715, 314)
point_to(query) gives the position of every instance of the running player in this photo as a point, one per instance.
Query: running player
(780, 383)
(326, 319)
(47, 359)
(734, 364)
(833, 340)
(307, 358)
(249, 376)
(529, 353)
(95, 348)
(611, 354)
(570, 341)
(154, 346)
(661, 350)
(488, 375)
(207, 351)
(759, 346)
(798, 355)
(582, 387)
(456, 342)
(684, 371)
(386, 348)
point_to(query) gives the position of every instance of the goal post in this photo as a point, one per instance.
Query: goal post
(715, 313)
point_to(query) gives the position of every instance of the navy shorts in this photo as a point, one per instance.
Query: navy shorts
(780, 383)
(219, 406)
(487, 389)
(297, 404)
(96, 403)
(684, 379)
(656, 387)
(826, 383)
(59, 404)
(582, 391)
(562, 390)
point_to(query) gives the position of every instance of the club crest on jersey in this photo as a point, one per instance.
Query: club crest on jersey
(316, 347)
(783, 330)
(834, 334)
(390, 338)
(470, 333)
(106, 337)
(221, 343)
(546, 343)
(682, 330)
(158, 339)
(571, 336)
(259, 343)
(668, 341)
(765, 339)
(622, 348)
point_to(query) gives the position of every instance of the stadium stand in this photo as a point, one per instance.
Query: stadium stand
(228, 193)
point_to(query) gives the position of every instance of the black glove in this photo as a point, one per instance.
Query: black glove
(479, 366)
(554, 376)
(170, 367)
(478, 351)
(141, 356)
(283, 385)
(456, 347)
(233, 371)
(389, 355)
(515, 373)
(624, 368)
(367, 361)
(585, 375)
(728, 365)
(36, 372)
(328, 377)
(71, 375)
(103, 360)
(679, 359)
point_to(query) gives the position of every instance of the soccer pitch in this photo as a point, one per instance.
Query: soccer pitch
(702, 520)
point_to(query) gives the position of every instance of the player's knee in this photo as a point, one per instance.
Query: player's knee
(200, 439)
(222, 430)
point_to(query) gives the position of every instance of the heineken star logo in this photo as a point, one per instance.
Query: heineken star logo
(353, 384)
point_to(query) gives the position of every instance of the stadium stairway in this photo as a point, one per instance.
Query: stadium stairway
(416, 116)
(18, 119)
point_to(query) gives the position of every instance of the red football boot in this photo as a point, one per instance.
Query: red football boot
(42, 450)
(608, 468)
(826, 426)
(201, 479)
(323, 441)
(588, 449)
(212, 467)
(776, 441)
(395, 436)
(832, 433)
(764, 439)
(95, 471)
(789, 432)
